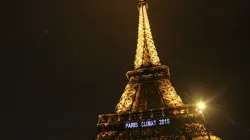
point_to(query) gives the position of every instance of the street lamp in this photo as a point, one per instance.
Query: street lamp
(200, 107)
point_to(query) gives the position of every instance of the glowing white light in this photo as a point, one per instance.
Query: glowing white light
(164, 121)
(148, 123)
(131, 125)
(201, 106)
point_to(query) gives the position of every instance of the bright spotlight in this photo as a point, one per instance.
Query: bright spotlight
(201, 106)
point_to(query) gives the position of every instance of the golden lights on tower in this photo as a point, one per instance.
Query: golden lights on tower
(140, 42)
(146, 56)
(145, 43)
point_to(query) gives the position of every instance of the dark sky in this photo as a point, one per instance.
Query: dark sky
(65, 61)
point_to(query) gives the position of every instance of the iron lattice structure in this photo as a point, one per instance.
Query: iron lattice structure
(147, 71)
(149, 102)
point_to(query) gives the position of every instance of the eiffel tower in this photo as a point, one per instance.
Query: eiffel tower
(150, 108)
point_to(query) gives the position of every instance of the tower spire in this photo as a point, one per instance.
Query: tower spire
(146, 54)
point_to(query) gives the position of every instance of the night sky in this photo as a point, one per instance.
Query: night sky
(64, 62)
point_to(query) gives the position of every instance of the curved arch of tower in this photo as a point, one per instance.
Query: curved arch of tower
(150, 107)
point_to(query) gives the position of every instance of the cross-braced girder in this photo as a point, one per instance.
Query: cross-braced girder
(146, 53)
(152, 81)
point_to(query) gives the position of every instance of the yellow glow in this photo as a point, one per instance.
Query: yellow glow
(127, 98)
(140, 41)
(201, 106)
(146, 52)
(149, 40)
(171, 98)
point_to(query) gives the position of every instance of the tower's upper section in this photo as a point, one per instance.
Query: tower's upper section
(146, 54)
(149, 83)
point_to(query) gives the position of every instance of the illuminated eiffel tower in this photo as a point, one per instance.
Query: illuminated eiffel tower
(150, 108)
